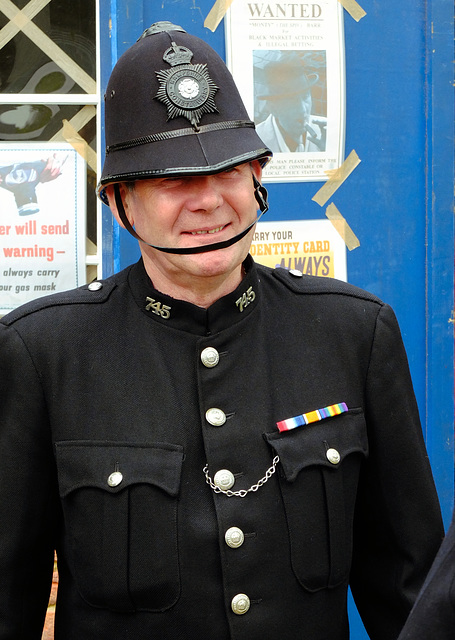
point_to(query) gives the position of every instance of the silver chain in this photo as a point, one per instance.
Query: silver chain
(243, 492)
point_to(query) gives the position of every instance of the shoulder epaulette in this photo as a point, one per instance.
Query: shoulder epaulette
(301, 283)
(96, 292)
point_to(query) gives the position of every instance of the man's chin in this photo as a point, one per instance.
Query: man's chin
(218, 263)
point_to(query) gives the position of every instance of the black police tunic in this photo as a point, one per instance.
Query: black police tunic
(139, 439)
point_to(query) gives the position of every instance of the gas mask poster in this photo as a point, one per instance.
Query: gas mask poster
(288, 61)
(42, 221)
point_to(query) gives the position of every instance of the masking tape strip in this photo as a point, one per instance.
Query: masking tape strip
(337, 179)
(78, 121)
(18, 18)
(30, 10)
(7, 33)
(74, 139)
(353, 8)
(340, 224)
(216, 14)
(67, 64)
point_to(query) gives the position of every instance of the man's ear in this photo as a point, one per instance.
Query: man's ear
(260, 192)
(256, 168)
(110, 193)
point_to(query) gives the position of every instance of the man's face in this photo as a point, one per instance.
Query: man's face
(292, 113)
(194, 211)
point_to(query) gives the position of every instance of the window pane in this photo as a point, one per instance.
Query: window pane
(22, 122)
(56, 54)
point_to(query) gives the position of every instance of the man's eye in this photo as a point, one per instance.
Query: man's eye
(171, 181)
(231, 172)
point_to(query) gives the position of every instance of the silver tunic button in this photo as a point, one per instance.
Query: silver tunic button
(224, 479)
(95, 286)
(210, 357)
(115, 479)
(215, 417)
(240, 604)
(234, 537)
(333, 456)
(296, 273)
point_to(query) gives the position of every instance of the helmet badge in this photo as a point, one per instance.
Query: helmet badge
(186, 89)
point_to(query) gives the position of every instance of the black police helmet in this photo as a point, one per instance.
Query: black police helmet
(172, 108)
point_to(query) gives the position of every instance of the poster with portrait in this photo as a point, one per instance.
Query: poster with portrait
(42, 221)
(313, 247)
(288, 61)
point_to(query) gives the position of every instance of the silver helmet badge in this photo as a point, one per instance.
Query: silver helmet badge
(186, 89)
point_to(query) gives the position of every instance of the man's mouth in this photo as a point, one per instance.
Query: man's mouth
(202, 232)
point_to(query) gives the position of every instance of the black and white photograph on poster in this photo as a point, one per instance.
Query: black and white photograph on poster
(42, 221)
(288, 62)
(290, 100)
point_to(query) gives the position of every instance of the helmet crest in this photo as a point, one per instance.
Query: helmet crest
(186, 89)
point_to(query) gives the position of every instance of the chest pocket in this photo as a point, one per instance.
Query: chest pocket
(120, 511)
(320, 466)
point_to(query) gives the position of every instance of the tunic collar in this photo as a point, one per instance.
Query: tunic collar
(225, 312)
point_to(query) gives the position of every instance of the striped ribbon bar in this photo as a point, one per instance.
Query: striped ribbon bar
(312, 416)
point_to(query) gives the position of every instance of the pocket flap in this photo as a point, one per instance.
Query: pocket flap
(92, 464)
(307, 445)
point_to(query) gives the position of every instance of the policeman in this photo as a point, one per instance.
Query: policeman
(215, 449)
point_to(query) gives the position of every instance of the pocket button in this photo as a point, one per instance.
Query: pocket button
(115, 479)
(333, 456)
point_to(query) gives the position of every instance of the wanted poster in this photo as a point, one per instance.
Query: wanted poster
(288, 61)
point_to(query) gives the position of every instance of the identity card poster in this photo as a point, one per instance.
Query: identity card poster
(313, 247)
(288, 61)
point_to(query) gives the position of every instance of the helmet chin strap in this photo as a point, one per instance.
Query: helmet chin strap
(260, 193)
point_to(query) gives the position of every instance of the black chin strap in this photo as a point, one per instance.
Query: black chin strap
(260, 193)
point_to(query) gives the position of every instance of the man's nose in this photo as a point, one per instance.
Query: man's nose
(205, 194)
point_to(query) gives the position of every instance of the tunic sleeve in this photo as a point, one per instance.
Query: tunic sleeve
(27, 493)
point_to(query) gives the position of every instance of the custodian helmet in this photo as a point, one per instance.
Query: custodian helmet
(172, 108)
